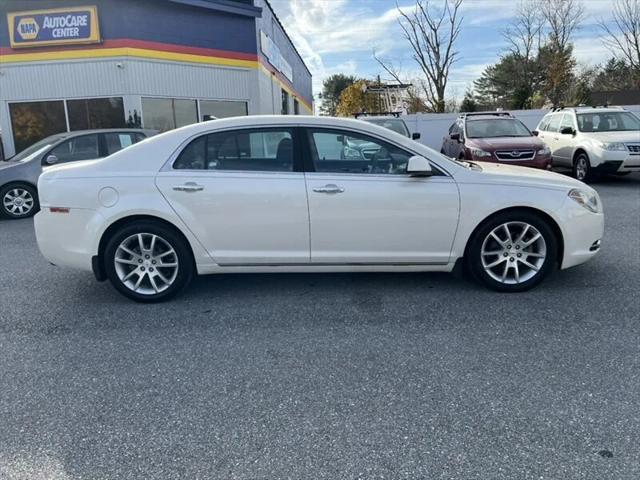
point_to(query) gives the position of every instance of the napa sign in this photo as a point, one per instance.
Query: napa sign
(60, 26)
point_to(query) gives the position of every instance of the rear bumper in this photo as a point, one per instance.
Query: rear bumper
(67, 239)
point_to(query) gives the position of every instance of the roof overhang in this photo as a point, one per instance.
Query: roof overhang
(227, 6)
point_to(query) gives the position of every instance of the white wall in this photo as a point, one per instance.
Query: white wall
(434, 126)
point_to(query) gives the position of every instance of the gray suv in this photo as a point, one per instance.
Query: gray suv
(19, 174)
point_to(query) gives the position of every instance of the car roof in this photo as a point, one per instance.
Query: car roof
(76, 133)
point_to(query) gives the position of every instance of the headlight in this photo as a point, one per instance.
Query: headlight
(476, 152)
(544, 151)
(588, 200)
(349, 152)
(613, 146)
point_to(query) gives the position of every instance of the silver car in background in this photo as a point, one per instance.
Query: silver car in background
(19, 174)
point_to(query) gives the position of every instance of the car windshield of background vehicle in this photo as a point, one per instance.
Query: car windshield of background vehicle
(35, 149)
(608, 122)
(493, 128)
(394, 125)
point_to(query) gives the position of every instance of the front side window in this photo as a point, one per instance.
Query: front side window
(269, 150)
(493, 128)
(84, 147)
(348, 152)
(608, 122)
(567, 121)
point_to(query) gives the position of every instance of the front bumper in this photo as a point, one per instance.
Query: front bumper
(582, 232)
(614, 162)
(539, 161)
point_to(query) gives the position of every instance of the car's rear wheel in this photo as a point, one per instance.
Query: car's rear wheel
(582, 167)
(148, 261)
(512, 252)
(18, 200)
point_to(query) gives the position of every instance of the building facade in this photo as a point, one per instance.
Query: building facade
(69, 65)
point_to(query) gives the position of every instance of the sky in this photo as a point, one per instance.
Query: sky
(340, 36)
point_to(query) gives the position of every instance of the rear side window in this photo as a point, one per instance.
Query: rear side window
(554, 123)
(264, 150)
(544, 124)
(117, 141)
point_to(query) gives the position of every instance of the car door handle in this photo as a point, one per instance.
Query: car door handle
(331, 189)
(188, 187)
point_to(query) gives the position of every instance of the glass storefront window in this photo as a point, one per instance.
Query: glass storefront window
(285, 103)
(168, 113)
(33, 121)
(221, 109)
(93, 113)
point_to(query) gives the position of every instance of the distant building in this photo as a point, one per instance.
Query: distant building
(71, 65)
(617, 97)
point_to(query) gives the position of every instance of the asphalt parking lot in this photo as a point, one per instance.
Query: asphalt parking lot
(324, 376)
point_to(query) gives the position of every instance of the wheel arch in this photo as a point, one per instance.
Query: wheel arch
(577, 152)
(535, 211)
(98, 262)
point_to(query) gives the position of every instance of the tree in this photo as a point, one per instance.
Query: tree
(616, 74)
(623, 38)
(563, 18)
(468, 102)
(354, 99)
(432, 38)
(332, 87)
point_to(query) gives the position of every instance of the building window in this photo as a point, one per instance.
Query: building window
(210, 109)
(92, 113)
(296, 107)
(168, 113)
(33, 121)
(285, 103)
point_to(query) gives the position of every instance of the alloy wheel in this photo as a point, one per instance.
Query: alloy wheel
(581, 168)
(146, 263)
(18, 202)
(513, 253)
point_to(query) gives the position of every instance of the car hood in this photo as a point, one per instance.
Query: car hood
(626, 137)
(506, 143)
(503, 174)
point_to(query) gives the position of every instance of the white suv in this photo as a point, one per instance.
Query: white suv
(592, 140)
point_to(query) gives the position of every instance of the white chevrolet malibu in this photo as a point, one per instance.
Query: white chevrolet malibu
(307, 194)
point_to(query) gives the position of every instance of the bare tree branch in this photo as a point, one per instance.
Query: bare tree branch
(432, 37)
(563, 18)
(623, 38)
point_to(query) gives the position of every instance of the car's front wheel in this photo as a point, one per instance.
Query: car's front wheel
(582, 167)
(148, 261)
(18, 200)
(512, 252)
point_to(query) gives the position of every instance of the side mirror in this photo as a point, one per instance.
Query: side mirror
(455, 136)
(419, 167)
(567, 131)
(535, 133)
(415, 136)
(51, 160)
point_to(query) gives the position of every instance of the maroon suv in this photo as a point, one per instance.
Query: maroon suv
(495, 137)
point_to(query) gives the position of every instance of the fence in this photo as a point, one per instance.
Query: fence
(434, 126)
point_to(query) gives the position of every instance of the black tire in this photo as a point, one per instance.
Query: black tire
(183, 258)
(582, 167)
(474, 258)
(12, 211)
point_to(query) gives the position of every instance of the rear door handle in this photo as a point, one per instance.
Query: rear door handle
(188, 187)
(330, 188)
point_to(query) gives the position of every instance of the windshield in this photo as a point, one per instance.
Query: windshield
(393, 124)
(496, 127)
(35, 149)
(608, 122)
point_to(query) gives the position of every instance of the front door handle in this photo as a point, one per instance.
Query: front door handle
(330, 188)
(188, 187)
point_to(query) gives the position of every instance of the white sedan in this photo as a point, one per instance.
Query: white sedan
(307, 194)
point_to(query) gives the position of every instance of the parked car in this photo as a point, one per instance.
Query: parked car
(392, 121)
(591, 140)
(495, 137)
(19, 174)
(275, 194)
